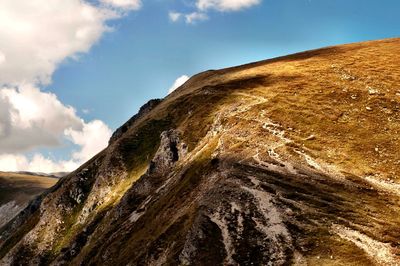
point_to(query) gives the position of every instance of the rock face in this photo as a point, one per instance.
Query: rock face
(272, 163)
(169, 152)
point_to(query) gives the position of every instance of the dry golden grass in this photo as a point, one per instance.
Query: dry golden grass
(21, 188)
(318, 100)
(24, 180)
(347, 98)
(331, 115)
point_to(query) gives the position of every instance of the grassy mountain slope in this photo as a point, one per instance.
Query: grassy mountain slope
(286, 161)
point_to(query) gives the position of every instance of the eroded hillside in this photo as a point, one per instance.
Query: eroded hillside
(292, 160)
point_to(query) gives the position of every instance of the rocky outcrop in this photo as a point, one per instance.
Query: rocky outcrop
(170, 151)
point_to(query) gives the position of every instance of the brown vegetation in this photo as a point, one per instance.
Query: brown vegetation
(286, 161)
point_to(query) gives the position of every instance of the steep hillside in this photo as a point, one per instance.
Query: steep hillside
(292, 160)
(17, 189)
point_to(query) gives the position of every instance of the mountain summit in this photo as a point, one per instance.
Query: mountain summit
(292, 160)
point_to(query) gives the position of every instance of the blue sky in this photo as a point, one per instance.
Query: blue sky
(108, 74)
(146, 52)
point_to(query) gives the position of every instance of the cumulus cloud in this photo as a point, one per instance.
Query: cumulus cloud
(36, 36)
(31, 119)
(91, 138)
(38, 163)
(178, 82)
(12, 162)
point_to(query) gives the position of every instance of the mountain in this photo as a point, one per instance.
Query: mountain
(292, 160)
(17, 190)
(55, 174)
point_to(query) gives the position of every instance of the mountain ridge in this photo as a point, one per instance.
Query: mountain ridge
(268, 163)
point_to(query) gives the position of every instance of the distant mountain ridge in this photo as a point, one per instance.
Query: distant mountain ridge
(18, 189)
(288, 161)
(56, 174)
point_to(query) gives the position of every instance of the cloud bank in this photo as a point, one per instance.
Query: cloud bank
(31, 119)
(36, 36)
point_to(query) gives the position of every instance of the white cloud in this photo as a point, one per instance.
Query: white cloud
(225, 5)
(174, 16)
(38, 163)
(190, 18)
(2, 58)
(11, 162)
(124, 4)
(203, 6)
(30, 118)
(92, 138)
(193, 17)
(36, 36)
(178, 82)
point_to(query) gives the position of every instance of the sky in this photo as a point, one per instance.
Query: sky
(72, 71)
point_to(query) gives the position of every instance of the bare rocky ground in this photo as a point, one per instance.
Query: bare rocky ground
(290, 161)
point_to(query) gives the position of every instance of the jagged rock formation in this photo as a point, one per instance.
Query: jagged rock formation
(287, 161)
